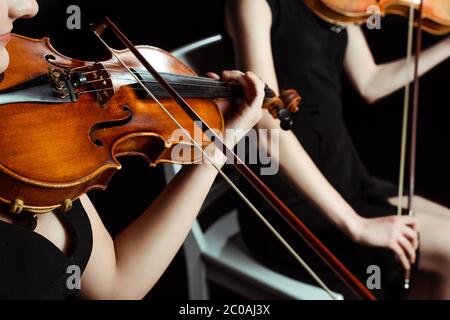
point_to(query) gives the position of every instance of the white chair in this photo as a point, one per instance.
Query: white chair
(219, 254)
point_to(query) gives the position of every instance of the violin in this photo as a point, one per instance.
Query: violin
(435, 13)
(64, 123)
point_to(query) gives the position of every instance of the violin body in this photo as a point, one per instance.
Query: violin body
(52, 153)
(436, 13)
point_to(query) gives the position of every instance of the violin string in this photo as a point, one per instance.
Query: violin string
(89, 72)
(96, 90)
(151, 80)
(106, 89)
(80, 67)
(142, 73)
(214, 85)
(227, 179)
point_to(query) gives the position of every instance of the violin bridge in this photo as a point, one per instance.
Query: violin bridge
(96, 76)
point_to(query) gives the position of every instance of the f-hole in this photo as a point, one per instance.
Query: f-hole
(52, 60)
(110, 124)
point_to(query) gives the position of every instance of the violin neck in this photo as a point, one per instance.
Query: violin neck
(197, 87)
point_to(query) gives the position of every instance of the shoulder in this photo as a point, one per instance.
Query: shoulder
(245, 15)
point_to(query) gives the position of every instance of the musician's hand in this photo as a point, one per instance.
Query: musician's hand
(238, 120)
(400, 234)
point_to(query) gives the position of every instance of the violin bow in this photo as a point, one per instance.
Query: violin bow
(414, 119)
(295, 223)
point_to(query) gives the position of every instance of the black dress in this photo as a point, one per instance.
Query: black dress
(308, 55)
(32, 267)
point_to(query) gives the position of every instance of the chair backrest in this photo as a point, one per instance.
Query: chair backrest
(198, 55)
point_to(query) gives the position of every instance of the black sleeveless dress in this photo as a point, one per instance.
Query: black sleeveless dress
(32, 267)
(308, 55)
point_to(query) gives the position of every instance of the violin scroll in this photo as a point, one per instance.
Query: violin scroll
(291, 100)
(283, 107)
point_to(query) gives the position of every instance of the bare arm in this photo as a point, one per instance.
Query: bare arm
(374, 81)
(128, 266)
(249, 25)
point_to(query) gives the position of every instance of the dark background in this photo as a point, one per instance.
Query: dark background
(169, 24)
